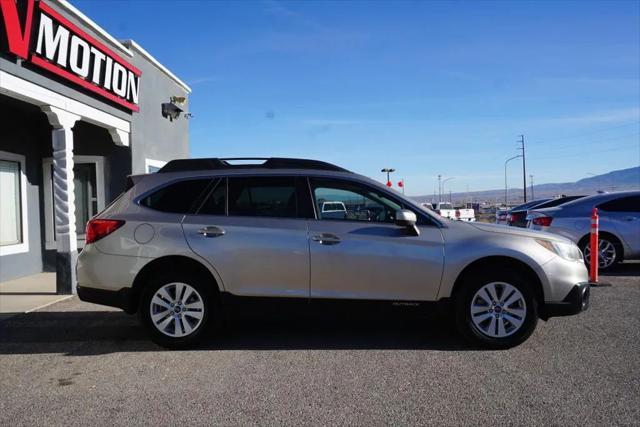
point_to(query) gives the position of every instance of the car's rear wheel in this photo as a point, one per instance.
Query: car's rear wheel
(175, 309)
(609, 252)
(496, 310)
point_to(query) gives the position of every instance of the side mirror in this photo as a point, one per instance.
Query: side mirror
(408, 219)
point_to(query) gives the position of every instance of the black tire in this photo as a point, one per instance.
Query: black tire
(474, 334)
(207, 297)
(585, 242)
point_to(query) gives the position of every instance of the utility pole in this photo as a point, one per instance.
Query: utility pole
(531, 183)
(524, 169)
(439, 188)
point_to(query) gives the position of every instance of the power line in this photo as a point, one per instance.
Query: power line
(544, 141)
(582, 154)
(597, 141)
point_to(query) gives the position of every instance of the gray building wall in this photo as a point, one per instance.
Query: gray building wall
(153, 136)
(29, 133)
(24, 127)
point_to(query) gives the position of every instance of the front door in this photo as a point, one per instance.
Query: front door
(260, 248)
(359, 253)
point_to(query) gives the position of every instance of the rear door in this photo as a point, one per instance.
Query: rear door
(624, 215)
(253, 231)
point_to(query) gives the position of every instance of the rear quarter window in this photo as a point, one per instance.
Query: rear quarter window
(178, 197)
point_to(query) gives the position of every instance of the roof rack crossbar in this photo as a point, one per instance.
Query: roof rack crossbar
(215, 163)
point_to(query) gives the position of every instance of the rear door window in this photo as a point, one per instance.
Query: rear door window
(216, 201)
(623, 204)
(267, 196)
(179, 197)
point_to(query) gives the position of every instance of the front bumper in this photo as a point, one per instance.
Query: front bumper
(576, 301)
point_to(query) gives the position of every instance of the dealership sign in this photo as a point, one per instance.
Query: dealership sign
(50, 41)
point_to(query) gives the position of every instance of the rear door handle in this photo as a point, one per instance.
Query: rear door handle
(326, 239)
(211, 231)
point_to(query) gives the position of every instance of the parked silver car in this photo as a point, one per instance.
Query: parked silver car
(184, 242)
(619, 225)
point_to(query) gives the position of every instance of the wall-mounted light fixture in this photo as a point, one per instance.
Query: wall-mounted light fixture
(171, 110)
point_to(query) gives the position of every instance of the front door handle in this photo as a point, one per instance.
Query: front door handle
(211, 231)
(326, 239)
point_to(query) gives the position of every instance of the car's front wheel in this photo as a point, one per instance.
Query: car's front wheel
(496, 310)
(175, 309)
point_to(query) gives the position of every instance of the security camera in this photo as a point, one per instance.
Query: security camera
(179, 99)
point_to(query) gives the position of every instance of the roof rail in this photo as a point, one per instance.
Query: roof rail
(181, 165)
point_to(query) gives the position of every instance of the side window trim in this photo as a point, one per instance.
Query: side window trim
(208, 192)
(313, 199)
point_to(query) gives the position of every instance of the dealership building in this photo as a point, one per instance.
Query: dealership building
(80, 111)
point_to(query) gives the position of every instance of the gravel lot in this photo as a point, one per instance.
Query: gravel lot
(77, 363)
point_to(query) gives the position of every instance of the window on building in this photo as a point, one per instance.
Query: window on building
(179, 197)
(153, 166)
(11, 206)
(263, 196)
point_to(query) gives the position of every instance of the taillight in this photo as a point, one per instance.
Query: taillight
(99, 228)
(457, 213)
(543, 221)
(514, 217)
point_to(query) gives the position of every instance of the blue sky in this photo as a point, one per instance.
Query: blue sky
(425, 87)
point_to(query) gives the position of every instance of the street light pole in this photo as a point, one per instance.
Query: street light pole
(506, 199)
(388, 171)
(439, 188)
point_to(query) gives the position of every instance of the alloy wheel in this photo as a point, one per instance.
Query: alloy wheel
(498, 309)
(606, 253)
(176, 309)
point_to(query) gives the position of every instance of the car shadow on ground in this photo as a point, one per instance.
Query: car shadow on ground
(81, 333)
(625, 269)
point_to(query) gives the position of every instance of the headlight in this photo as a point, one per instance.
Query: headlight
(568, 251)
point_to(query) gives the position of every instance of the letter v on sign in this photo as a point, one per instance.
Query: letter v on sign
(17, 36)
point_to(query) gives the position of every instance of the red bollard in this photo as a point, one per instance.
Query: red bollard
(593, 259)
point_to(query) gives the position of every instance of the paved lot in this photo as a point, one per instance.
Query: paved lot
(76, 363)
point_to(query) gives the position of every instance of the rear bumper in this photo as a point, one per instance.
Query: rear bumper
(122, 299)
(576, 301)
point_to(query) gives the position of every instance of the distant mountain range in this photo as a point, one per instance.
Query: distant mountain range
(624, 179)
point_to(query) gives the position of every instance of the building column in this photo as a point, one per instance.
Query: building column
(64, 197)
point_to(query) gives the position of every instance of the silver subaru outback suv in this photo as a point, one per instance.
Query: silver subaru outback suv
(180, 244)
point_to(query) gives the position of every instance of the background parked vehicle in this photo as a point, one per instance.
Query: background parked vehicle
(619, 224)
(518, 214)
(551, 203)
(447, 210)
(335, 210)
(501, 215)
